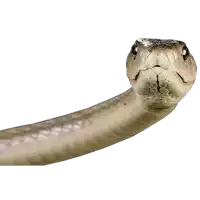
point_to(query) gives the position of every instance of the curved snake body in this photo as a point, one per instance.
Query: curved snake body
(160, 72)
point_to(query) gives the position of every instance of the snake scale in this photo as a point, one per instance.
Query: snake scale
(160, 72)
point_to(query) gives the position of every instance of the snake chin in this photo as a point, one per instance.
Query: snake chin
(159, 93)
(160, 101)
(159, 88)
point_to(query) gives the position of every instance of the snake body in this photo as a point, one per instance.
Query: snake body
(160, 72)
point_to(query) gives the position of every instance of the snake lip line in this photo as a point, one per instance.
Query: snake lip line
(137, 75)
(181, 77)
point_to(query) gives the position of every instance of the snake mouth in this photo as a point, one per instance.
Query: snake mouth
(178, 74)
(181, 78)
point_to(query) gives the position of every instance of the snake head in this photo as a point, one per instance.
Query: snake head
(161, 72)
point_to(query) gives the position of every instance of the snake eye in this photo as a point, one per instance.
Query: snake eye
(185, 52)
(134, 49)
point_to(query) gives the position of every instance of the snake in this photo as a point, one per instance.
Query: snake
(160, 72)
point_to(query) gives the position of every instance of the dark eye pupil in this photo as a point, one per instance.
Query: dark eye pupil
(185, 52)
(134, 49)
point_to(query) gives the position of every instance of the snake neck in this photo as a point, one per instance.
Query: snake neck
(78, 133)
(124, 115)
